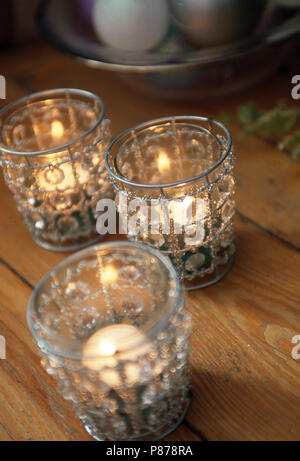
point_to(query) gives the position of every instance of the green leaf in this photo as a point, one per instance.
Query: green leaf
(248, 114)
(290, 141)
(276, 122)
(280, 124)
(296, 153)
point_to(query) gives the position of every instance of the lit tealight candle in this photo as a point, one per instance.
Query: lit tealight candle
(109, 274)
(163, 162)
(105, 348)
(62, 177)
(57, 129)
(181, 212)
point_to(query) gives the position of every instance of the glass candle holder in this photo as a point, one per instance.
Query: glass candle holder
(113, 332)
(52, 148)
(179, 172)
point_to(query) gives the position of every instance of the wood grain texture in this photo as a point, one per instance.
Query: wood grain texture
(268, 187)
(245, 382)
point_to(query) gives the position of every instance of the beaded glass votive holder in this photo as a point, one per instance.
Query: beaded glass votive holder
(52, 148)
(113, 332)
(174, 178)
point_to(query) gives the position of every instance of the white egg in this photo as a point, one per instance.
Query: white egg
(131, 25)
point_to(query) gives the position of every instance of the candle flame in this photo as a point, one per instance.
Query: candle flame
(163, 162)
(107, 348)
(57, 129)
(109, 274)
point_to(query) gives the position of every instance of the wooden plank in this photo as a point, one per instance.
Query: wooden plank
(246, 382)
(26, 413)
(17, 247)
(268, 187)
(182, 433)
(268, 180)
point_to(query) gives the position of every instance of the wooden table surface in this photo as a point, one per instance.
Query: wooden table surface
(245, 381)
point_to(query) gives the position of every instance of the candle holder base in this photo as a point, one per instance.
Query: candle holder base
(179, 420)
(210, 279)
(68, 247)
(156, 436)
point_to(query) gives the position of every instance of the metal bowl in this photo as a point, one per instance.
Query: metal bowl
(176, 69)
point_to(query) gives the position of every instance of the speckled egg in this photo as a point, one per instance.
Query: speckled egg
(131, 25)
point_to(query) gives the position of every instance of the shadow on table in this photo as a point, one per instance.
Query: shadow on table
(242, 408)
